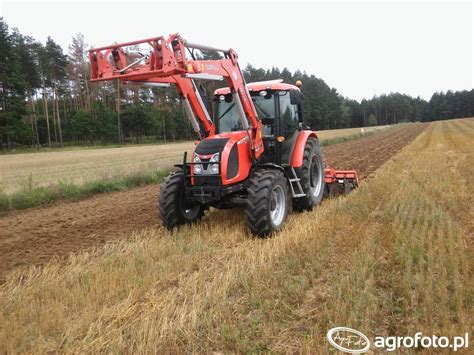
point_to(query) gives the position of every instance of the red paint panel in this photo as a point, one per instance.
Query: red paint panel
(298, 151)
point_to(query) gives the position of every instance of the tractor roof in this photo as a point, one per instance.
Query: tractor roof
(261, 85)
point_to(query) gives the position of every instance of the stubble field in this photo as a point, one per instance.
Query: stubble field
(393, 257)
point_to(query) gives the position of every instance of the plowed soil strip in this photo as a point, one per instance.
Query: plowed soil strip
(367, 154)
(34, 236)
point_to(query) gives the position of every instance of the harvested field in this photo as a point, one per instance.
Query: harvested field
(79, 166)
(392, 258)
(33, 237)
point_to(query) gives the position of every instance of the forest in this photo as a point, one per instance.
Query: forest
(46, 100)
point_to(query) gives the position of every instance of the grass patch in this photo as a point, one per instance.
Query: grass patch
(29, 196)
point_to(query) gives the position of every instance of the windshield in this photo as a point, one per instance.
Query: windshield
(228, 119)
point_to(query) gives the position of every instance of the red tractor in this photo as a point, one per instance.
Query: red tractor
(254, 153)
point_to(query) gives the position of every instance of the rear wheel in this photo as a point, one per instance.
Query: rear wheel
(312, 176)
(267, 202)
(174, 210)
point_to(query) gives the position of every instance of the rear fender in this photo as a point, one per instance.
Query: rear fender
(298, 152)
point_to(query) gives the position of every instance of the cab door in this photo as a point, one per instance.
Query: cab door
(288, 126)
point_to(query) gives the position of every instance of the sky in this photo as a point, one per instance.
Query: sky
(360, 48)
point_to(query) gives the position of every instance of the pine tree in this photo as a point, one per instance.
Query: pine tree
(77, 71)
(55, 62)
(25, 48)
(12, 90)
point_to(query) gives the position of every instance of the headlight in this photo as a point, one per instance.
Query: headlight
(197, 167)
(214, 167)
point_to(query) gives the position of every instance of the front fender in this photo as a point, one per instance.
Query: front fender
(298, 152)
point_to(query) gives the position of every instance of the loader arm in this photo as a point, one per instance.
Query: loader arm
(167, 63)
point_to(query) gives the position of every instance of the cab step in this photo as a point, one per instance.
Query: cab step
(295, 185)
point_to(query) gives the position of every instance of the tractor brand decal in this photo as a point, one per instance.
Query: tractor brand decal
(211, 67)
(242, 95)
(243, 140)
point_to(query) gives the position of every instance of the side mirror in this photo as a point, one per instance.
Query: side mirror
(296, 97)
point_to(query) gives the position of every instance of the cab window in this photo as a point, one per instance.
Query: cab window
(265, 107)
(288, 114)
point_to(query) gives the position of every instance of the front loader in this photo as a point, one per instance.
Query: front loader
(254, 153)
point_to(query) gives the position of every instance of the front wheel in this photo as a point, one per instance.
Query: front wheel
(172, 204)
(267, 202)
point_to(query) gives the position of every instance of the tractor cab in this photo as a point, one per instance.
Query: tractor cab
(278, 106)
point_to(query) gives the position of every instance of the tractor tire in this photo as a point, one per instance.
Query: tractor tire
(172, 203)
(268, 202)
(312, 177)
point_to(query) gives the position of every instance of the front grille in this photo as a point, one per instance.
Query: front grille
(206, 178)
(207, 147)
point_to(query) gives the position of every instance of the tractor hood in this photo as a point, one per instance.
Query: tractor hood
(218, 142)
(211, 145)
(235, 158)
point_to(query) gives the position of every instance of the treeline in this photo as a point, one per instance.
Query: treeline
(47, 100)
(325, 108)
